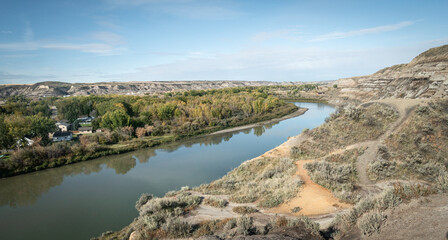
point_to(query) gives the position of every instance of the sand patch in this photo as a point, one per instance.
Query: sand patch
(312, 198)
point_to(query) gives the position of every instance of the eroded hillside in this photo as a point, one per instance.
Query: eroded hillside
(426, 76)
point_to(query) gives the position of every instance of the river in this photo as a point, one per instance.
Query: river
(82, 200)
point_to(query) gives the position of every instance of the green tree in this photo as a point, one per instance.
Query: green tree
(41, 126)
(166, 111)
(115, 119)
(5, 137)
(18, 127)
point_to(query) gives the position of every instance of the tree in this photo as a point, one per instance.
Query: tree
(41, 126)
(18, 127)
(166, 111)
(5, 137)
(115, 119)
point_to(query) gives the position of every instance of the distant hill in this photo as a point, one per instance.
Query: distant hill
(45, 89)
(426, 76)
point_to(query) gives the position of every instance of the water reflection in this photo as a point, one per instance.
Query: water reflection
(26, 189)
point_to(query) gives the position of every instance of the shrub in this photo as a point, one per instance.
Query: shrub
(296, 209)
(244, 225)
(230, 224)
(244, 210)
(144, 198)
(177, 228)
(216, 202)
(371, 222)
(307, 222)
(153, 222)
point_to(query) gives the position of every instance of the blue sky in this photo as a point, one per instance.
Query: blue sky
(150, 40)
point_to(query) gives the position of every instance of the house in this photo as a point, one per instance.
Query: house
(85, 119)
(63, 126)
(85, 130)
(62, 136)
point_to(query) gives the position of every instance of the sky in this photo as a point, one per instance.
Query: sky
(255, 40)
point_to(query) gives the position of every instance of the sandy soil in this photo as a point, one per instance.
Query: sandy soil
(299, 112)
(313, 199)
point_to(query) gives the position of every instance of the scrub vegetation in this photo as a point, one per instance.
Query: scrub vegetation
(267, 181)
(419, 150)
(345, 127)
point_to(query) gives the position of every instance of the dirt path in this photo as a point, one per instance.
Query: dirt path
(313, 199)
(404, 107)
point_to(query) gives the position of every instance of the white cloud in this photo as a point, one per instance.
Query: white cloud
(6, 32)
(384, 28)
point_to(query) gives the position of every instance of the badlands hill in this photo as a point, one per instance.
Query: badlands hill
(426, 76)
(45, 89)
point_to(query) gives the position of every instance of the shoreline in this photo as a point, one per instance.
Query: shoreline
(110, 151)
(297, 113)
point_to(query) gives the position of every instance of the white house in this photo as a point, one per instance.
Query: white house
(85, 130)
(62, 136)
(63, 126)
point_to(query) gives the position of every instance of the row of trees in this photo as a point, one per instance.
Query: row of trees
(206, 108)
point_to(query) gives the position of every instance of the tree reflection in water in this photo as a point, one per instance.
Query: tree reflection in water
(24, 190)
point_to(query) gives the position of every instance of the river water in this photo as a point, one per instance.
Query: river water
(83, 200)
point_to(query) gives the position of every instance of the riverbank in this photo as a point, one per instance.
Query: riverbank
(297, 113)
(146, 142)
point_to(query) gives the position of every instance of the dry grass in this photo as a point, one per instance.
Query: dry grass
(346, 127)
(419, 149)
(270, 181)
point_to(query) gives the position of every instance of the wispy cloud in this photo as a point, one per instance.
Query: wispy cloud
(99, 48)
(9, 78)
(103, 43)
(28, 34)
(6, 32)
(276, 64)
(108, 37)
(378, 29)
(289, 34)
(107, 24)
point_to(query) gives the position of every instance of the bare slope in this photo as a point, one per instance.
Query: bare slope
(45, 89)
(426, 76)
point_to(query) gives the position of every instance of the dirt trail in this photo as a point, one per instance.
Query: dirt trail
(404, 108)
(313, 199)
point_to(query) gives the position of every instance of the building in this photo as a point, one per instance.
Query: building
(62, 136)
(85, 119)
(83, 130)
(63, 126)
